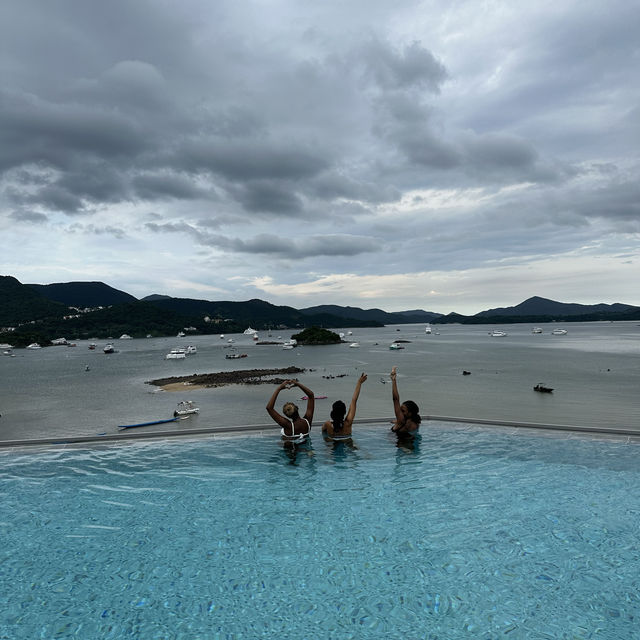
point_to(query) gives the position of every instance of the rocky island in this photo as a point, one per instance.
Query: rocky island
(315, 335)
(222, 378)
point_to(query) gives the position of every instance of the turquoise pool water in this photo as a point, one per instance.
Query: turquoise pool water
(472, 533)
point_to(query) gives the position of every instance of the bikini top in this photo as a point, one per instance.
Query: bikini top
(296, 437)
(338, 435)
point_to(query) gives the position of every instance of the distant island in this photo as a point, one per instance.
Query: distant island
(93, 310)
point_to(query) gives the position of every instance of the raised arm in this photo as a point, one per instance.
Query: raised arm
(281, 420)
(396, 399)
(351, 413)
(311, 401)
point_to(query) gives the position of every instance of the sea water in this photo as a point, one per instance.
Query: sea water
(594, 371)
(468, 532)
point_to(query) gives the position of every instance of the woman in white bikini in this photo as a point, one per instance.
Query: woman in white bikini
(294, 427)
(339, 427)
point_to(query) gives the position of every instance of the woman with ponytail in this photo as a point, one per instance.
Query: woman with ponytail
(339, 427)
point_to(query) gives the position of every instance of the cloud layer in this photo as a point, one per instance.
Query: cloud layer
(398, 155)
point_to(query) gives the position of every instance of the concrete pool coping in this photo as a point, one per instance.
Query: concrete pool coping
(270, 427)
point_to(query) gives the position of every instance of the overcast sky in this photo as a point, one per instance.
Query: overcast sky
(441, 155)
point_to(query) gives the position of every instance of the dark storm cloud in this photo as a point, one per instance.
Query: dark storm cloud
(253, 160)
(35, 131)
(616, 201)
(413, 66)
(161, 186)
(285, 247)
(97, 230)
(265, 197)
(32, 217)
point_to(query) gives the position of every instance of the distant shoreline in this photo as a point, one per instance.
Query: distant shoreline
(223, 378)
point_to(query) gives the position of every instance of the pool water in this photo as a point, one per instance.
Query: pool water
(469, 532)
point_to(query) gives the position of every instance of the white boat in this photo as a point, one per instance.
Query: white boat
(191, 349)
(125, 336)
(59, 341)
(536, 330)
(222, 336)
(559, 332)
(185, 408)
(181, 334)
(176, 354)
(249, 331)
(394, 346)
(235, 356)
(287, 345)
(108, 348)
(497, 333)
(6, 345)
(34, 345)
(230, 340)
(427, 329)
(349, 333)
(354, 345)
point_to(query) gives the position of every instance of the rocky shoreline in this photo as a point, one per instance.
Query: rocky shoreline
(222, 378)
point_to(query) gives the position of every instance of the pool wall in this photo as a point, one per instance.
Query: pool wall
(140, 435)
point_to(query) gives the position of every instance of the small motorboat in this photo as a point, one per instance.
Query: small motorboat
(34, 345)
(235, 356)
(185, 408)
(354, 345)
(536, 330)
(92, 346)
(542, 388)
(191, 349)
(108, 348)
(427, 330)
(176, 354)
(498, 333)
(394, 346)
(559, 332)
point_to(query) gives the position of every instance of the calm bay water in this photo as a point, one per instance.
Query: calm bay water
(594, 370)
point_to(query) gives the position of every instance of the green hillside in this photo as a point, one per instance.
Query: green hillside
(22, 304)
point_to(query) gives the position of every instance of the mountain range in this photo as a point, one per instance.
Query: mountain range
(40, 312)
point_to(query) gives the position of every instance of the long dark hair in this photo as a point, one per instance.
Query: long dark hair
(414, 411)
(338, 411)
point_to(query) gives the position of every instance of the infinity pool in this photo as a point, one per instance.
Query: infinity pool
(469, 533)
